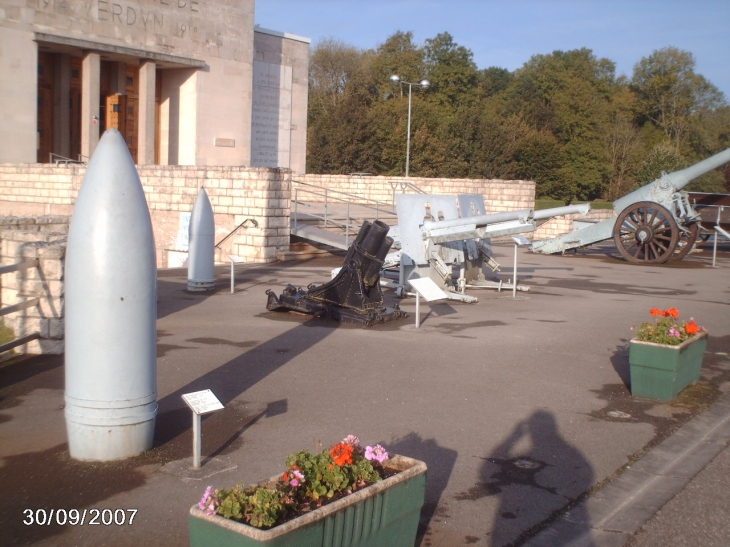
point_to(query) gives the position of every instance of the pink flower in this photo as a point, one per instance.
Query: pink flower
(209, 501)
(674, 332)
(351, 439)
(376, 453)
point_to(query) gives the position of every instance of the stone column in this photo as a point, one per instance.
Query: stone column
(90, 90)
(146, 127)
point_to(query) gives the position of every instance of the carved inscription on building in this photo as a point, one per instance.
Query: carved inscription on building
(178, 18)
(271, 115)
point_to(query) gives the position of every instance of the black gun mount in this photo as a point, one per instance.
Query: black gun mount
(353, 295)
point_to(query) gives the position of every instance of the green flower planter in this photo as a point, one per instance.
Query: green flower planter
(385, 514)
(661, 372)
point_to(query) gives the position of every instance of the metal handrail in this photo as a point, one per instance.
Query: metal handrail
(251, 220)
(21, 305)
(63, 159)
(326, 218)
(328, 191)
(404, 186)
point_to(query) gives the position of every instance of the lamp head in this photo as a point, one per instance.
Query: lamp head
(425, 84)
(395, 78)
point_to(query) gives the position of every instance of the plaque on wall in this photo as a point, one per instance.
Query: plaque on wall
(271, 115)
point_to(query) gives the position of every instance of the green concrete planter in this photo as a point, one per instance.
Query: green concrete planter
(384, 514)
(661, 372)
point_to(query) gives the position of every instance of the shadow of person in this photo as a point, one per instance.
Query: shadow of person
(440, 461)
(537, 476)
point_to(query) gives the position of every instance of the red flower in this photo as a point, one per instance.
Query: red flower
(342, 453)
(691, 327)
(674, 312)
(655, 311)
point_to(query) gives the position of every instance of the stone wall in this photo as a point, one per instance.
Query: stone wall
(236, 194)
(42, 238)
(499, 195)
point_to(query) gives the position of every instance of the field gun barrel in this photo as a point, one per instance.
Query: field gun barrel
(661, 189)
(479, 221)
(582, 209)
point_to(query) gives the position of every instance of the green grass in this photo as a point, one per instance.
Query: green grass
(6, 334)
(550, 203)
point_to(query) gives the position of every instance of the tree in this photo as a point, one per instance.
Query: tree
(567, 95)
(494, 80)
(670, 93)
(663, 158)
(451, 70)
(398, 55)
(340, 133)
(622, 145)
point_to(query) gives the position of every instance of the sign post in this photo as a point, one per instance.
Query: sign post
(424, 286)
(235, 259)
(519, 242)
(200, 402)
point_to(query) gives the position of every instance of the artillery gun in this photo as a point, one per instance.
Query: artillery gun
(447, 238)
(653, 223)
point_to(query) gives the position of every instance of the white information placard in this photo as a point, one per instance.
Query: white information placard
(236, 259)
(202, 402)
(521, 240)
(428, 289)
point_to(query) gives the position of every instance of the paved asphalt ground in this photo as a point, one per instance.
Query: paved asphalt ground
(520, 407)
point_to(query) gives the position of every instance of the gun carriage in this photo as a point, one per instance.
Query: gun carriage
(653, 223)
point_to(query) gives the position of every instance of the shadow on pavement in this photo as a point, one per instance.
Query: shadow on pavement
(533, 484)
(440, 462)
(233, 378)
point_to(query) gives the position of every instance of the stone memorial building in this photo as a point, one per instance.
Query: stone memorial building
(187, 82)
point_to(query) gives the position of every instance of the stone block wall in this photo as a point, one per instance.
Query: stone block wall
(43, 239)
(236, 194)
(499, 195)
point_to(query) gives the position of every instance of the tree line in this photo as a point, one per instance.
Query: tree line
(564, 120)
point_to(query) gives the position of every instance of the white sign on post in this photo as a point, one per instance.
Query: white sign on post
(202, 402)
(521, 240)
(425, 287)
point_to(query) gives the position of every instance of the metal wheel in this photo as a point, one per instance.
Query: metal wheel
(646, 233)
(687, 240)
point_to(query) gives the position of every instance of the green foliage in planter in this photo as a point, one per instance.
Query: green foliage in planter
(260, 507)
(309, 481)
(323, 477)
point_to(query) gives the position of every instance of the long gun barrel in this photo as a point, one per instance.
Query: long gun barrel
(660, 190)
(481, 220)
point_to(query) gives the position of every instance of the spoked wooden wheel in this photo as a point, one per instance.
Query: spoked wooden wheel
(687, 240)
(646, 233)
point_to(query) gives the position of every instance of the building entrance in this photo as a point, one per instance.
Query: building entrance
(59, 105)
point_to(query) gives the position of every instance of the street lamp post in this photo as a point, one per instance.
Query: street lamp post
(424, 84)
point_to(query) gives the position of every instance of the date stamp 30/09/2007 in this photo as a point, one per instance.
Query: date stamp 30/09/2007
(79, 517)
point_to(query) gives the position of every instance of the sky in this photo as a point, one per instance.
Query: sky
(506, 33)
